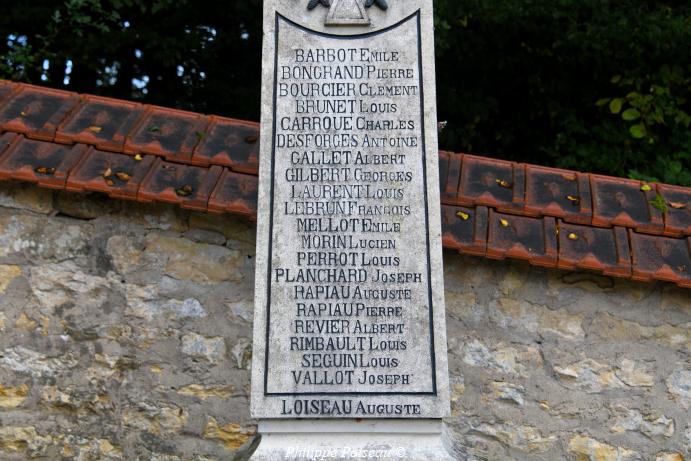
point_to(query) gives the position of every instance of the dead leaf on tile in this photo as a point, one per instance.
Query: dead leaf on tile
(95, 129)
(122, 176)
(504, 222)
(504, 183)
(108, 173)
(677, 205)
(463, 216)
(45, 170)
(184, 191)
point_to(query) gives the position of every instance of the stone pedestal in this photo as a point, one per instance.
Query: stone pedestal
(381, 440)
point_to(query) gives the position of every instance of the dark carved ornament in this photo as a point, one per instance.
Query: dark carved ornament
(313, 3)
(382, 4)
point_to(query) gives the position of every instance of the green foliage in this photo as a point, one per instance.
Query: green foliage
(18, 58)
(615, 105)
(657, 112)
(583, 84)
(659, 203)
(631, 114)
(202, 56)
(654, 104)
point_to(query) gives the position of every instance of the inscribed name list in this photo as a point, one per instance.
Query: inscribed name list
(348, 296)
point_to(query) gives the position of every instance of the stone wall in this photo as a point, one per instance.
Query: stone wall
(125, 333)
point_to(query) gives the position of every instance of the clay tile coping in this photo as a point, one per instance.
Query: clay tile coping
(492, 208)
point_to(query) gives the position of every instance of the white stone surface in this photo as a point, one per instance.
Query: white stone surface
(349, 307)
(386, 440)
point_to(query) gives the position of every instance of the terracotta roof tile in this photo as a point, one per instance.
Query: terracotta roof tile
(443, 175)
(36, 111)
(661, 258)
(492, 208)
(523, 237)
(624, 202)
(6, 88)
(449, 192)
(594, 248)
(168, 133)
(5, 140)
(231, 143)
(561, 193)
(185, 185)
(494, 183)
(43, 163)
(678, 215)
(465, 229)
(100, 122)
(117, 175)
(235, 193)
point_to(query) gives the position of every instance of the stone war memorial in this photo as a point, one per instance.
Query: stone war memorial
(326, 284)
(349, 331)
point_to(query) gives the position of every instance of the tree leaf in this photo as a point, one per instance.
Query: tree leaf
(615, 105)
(638, 131)
(630, 114)
(602, 102)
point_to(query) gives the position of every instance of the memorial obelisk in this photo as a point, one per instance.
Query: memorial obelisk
(349, 337)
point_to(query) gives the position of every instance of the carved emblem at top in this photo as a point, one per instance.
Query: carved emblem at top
(348, 12)
(327, 3)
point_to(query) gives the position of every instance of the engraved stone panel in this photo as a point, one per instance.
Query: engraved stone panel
(349, 309)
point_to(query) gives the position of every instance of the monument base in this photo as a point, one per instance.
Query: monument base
(365, 439)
